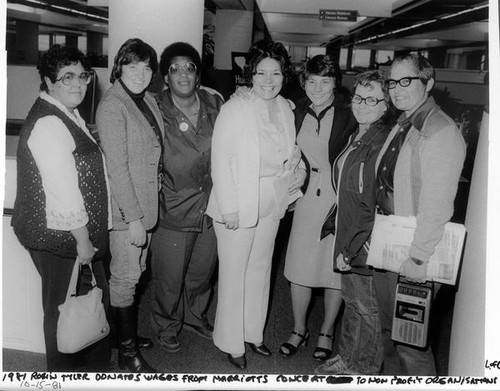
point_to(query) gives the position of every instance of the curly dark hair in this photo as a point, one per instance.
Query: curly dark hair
(320, 65)
(133, 50)
(179, 49)
(58, 57)
(267, 49)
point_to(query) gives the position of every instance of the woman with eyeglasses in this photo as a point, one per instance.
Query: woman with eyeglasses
(184, 252)
(354, 177)
(131, 131)
(61, 212)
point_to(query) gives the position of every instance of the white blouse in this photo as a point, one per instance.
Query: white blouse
(52, 147)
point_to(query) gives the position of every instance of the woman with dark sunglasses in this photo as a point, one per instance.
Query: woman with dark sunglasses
(184, 251)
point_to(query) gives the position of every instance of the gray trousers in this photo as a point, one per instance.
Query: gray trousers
(182, 265)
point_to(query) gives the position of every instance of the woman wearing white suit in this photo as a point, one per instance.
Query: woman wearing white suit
(253, 153)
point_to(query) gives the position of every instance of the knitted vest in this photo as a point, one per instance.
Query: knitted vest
(29, 216)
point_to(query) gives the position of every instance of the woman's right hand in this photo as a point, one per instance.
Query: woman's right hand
(231, 220)
(84, 247)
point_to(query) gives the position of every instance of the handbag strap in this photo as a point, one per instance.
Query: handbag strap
(73, 282)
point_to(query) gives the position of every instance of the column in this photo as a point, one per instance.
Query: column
(349, 57)
(437, 57)
(27, 41)
(334, 52)
(94, 43)
(72, 40)
(467, 341)
(157, 22)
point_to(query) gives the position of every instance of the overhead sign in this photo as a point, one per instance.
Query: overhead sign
(340, 15)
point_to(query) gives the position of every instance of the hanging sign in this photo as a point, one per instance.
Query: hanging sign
(340, 15)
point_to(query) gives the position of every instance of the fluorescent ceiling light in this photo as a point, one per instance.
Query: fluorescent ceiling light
(421, 24)
(67, 9)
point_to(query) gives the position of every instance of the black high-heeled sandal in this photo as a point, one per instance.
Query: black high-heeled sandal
(290, 349)
(323, 354)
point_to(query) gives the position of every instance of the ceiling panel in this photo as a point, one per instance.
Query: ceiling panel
(383, 23)
(377, 8)
(304, 24)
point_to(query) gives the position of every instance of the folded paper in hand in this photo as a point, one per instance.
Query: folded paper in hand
(391, 239)
(282, 184)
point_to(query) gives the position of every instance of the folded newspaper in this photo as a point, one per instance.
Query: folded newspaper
(391, 239)
(281, 184)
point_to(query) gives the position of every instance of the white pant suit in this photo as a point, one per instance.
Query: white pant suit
(245, 260)
(248, 151)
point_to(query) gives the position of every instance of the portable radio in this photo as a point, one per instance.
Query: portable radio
(412, 306)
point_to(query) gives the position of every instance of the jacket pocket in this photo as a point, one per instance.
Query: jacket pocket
(355, 179)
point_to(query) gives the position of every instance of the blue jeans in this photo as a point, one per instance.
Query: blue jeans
(399, 359)
(360, 338)
(126, 266)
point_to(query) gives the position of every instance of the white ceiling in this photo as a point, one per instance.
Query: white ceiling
(297, 22)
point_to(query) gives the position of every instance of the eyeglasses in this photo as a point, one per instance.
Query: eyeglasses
(189, 68)
(369, 100)
(69, 77)
(403, 82)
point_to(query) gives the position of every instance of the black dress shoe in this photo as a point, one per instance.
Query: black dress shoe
(169, 343)
(239, 362)
(142, 343)
(260, 349)
(131, 360)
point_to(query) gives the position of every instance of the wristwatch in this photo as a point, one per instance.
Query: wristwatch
(417, 261)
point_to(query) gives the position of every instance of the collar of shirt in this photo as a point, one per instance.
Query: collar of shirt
(171, 110)
(417, 118)
(371, 133)
(74, 116)
(134, 96)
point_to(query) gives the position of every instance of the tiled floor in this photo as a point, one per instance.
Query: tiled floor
(198, 355)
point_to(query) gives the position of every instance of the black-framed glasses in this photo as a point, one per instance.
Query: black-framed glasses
(403, 82)
(369, 100)
(69, 77)
(189, 68)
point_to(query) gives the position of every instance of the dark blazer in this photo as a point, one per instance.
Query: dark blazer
(344, 124)
(356, 185)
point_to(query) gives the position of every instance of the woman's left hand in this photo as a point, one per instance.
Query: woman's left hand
(84, 248)
(341, 265)
(137, 233)
(299, 177)
(231, 220)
